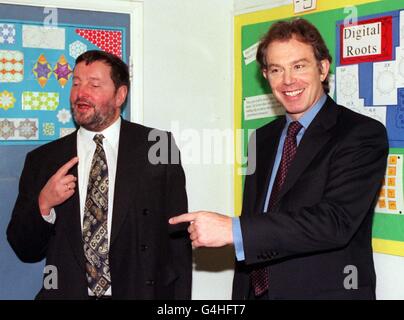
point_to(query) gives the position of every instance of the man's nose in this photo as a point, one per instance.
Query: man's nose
(288, 77)
(81, 91)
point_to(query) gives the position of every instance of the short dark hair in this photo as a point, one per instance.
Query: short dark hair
(304, 32)
(119, 69)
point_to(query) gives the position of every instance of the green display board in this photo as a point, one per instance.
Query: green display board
(366, 86)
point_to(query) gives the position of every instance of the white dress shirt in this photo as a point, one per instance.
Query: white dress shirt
(85, 151)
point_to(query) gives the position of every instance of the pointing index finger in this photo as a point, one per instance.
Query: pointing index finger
(63, 170)
(186, 217)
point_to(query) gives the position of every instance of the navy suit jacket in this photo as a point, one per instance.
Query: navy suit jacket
(322, 224)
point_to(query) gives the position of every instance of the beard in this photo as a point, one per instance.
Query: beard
(100, 118)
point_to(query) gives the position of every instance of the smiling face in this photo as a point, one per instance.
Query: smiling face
(95, 103)
(295, 75)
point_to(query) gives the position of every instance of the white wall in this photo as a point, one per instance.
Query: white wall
(188, 78)
(188, 84)
(243, 6)
(390, 277)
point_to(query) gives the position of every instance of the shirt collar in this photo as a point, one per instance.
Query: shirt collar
(310, 114)
(111, 134)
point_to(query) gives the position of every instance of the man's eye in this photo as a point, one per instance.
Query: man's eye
(299, 66)
(273, 70)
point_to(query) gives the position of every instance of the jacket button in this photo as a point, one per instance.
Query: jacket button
(146, 212)
(150, 282)
(143, 247)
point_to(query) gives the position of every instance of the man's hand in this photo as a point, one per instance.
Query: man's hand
(58, 189)
(207, 229)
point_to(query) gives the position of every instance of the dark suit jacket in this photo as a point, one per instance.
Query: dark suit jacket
(323, 221)
(148, 258)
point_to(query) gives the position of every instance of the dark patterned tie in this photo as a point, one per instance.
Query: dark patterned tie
(95, 231)
(260, 277)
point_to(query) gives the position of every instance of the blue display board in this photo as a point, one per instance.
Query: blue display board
(36, 63)
(20, 280)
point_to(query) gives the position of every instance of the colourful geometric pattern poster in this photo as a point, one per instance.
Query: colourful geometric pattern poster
(36, 66)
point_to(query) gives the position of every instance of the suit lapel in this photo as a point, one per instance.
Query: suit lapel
(317, 135)
(130, 158)
(71, 208)
(265, 161)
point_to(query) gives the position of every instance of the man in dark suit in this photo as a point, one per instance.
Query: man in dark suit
(305, 227)
(95, 203)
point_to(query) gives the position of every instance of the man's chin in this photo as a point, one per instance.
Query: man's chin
(85, 123)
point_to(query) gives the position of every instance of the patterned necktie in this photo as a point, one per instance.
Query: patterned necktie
(95, 231)
(260, 277)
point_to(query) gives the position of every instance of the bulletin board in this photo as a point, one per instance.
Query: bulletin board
(37, 57)
(369, 82)
(34, 92)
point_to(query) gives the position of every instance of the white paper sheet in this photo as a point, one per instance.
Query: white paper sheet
(400, 66)
(250, 53)
(262, 106)
(378, 113)
(347, 85)
(384, 83)
(304, 5)
(43, 37)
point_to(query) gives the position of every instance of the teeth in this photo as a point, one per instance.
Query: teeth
(293, 93)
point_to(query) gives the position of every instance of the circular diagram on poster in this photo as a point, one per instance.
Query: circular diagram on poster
(348, 85)
(386, 82)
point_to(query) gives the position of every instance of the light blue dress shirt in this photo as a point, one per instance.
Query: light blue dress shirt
(305, 121)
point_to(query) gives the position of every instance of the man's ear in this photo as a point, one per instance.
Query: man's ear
(264, 73)
(324, 69)
(120, 95)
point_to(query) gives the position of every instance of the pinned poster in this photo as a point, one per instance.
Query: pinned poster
(395, 122)
(18, 129)
(391, 194)
(62, 71)
(7, 100)
(304, 5)
(77, 48)
(42, 70)
(347, 85)
(400, 66)
(45, 101)
(11, 66)
(384, 83)
(377, 113)
(367, 41)
(7, 33)
(250, 53)
(262, 106)
(107, 40)
(43, 37)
